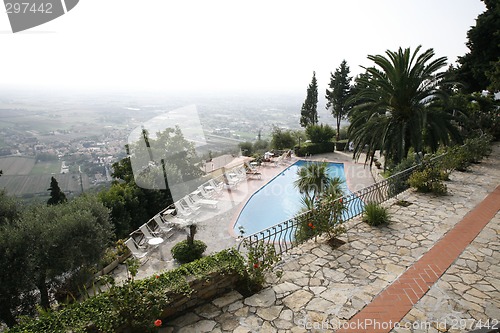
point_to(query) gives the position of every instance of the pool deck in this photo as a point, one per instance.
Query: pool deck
(434, 268)
(216, 226)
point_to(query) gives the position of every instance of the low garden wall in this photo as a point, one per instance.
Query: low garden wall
(204, 290)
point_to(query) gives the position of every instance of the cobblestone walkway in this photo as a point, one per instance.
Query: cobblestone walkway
(392, 304)
(322, 288)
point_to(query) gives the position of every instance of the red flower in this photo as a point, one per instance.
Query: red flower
(256, 265)
(157, 276)
(158, 322)
(310, 225)
(340, 200)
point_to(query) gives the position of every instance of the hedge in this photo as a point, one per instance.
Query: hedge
(314, 148)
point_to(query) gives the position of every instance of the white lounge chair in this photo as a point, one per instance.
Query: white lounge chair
(231, 179)
(184, 211)
(148, 233)
(165, 228)
(216, 186)
(205, 193)
(241, 173)
(175, 220)
(252, 172)
(190, 203)
(134, 249)
(279, 160)
(203, 202)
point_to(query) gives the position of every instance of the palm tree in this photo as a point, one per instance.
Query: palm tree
(334, 188)
(313, 179)
(397, 109)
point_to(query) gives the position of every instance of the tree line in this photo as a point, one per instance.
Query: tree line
(407, 101)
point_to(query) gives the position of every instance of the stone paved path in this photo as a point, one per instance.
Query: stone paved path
(321, 288)
(392, 304)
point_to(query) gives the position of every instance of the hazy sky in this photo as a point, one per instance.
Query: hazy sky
(224, 45)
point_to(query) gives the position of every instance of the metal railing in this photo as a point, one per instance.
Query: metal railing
(283, 235)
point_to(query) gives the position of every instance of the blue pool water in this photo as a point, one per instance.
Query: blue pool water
(279, 200)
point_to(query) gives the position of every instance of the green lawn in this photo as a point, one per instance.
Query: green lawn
(46, 168)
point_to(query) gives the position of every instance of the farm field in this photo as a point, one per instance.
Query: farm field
(47, 168)
(21, 185)
(16, 165)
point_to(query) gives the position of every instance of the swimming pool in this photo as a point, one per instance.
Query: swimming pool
(279, 200)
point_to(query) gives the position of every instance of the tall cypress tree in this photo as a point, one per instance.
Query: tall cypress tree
(309, 112)
(339, 92)
(56, 195)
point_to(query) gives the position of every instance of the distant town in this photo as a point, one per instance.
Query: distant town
(78, 138)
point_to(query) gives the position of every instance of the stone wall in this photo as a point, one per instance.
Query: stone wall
(204, 290)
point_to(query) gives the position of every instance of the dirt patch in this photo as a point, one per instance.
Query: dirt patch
(335, 243)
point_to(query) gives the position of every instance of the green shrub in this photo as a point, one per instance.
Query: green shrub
(135, 305)
(478, 148)
(185, 252)
(246, 148)
(340, 145)
(282, 139)
(460, 157)
(261, 258)
(428, 180)
(374, 214)
(325, 217)
(320, 133)
(315, 148)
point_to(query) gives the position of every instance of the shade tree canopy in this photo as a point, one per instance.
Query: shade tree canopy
(480, 67)
(45, 244)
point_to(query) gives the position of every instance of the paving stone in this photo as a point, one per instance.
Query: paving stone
(307, 259)
(184, 320)
(241, 329)
(252, 321)
(269, 313)
(285, 288)
(287, 315)
(314, 282)
(319, 304)
(208, 311)
(333, 275)
(319, 252)
(476, 293)
(317, 290)
(297, 299)
(235, 306)
(265, 298)
(227, 299)
(335, 296)
(283, 324)
(200, 326)
(294, 276)
(243, 312)
(268, 328)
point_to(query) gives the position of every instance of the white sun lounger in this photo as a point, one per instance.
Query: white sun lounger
(204, 202)
(134, 249)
